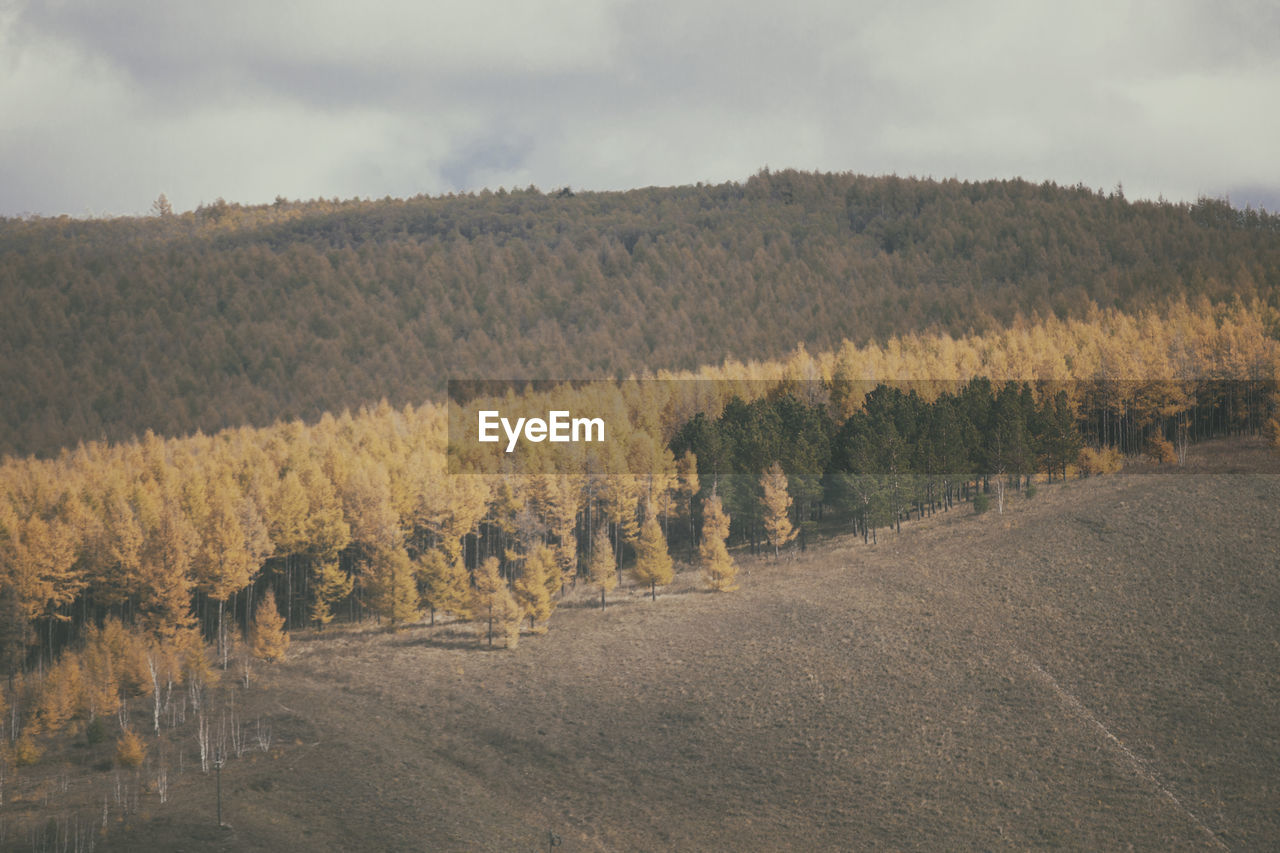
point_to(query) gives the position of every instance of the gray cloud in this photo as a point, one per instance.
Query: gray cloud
(108, 105)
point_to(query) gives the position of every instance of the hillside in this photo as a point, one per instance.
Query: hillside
(1094, 669)
(229, 315)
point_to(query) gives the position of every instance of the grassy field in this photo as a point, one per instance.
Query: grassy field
(1097, 668)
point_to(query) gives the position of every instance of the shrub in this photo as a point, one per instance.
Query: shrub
(96, 731)
(981, 503)
(1031, 490)
(130, 750)
(1106, 460)
(26, 751)
(1160, 450)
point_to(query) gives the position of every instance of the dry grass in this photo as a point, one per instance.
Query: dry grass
(1096, 668)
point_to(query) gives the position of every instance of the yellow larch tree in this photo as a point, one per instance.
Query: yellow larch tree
(268, 638)
(563, 495)
(653, 561)
(495, 605)
(445, 583)
(60, 693)
(603, 567)
(687, 477)
(777, 507)
(718, 566)
(539, 576)
(233, 544)
(392, 589)
(332, 585)
(168, 548)
(117, 549)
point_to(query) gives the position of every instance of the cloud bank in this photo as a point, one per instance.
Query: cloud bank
(106, 105)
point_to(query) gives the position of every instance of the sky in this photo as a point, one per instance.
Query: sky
(106, 105)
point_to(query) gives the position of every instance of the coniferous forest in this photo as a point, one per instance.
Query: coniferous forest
(226, 426)
(229, 315)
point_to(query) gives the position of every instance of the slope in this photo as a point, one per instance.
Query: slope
(1093, 669)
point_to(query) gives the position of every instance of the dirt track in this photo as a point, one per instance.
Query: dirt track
(1097, 668)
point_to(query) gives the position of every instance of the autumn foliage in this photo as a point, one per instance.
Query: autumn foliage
(717, 565)
(119, 561)
(268, 637)
(131, 751)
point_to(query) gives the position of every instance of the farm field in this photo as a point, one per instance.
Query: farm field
(1096, 668)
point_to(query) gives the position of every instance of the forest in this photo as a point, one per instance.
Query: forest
(133, 564)
(231, 315)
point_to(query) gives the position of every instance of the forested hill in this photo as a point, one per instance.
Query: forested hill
(243, 315)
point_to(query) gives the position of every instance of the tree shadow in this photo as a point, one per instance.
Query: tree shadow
(593, 603)
(448, 637)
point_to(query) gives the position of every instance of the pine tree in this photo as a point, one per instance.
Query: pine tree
(445, 584)
(269, 638)
(101, 679)
(16, 633)
(451, 507)
(393, 593)
(603, 568)
(718, 566)
(234, 542)
(653, 562)
(777, 505)
(687, 474)
(366, 504)
(332, 585)
(287, 516)
(118, 551)
(495, 604)
(59, 693)
(43, 564)
(170, 543)
(563, 494)
(533, 588)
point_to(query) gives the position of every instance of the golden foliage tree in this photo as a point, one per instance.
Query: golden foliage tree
(393, 591)
(42, 569)
(495, 604)
(101, 677)
(538, 578)
(687, 475)
(269, 638)
(563, 494)
(777, 507)
(26, 749)
(233, 543)
(718, 566)
(332, 585)
(118, 548)
(445, 583)
(653, 562)
(169, 545)
(60, 693)
(603, 568)
(131, 751)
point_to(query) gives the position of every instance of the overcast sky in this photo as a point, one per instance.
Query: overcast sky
(105, 104)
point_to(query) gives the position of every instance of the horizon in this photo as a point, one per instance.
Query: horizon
(88, 216)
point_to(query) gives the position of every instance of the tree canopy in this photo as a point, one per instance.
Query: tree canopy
(231, 315)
